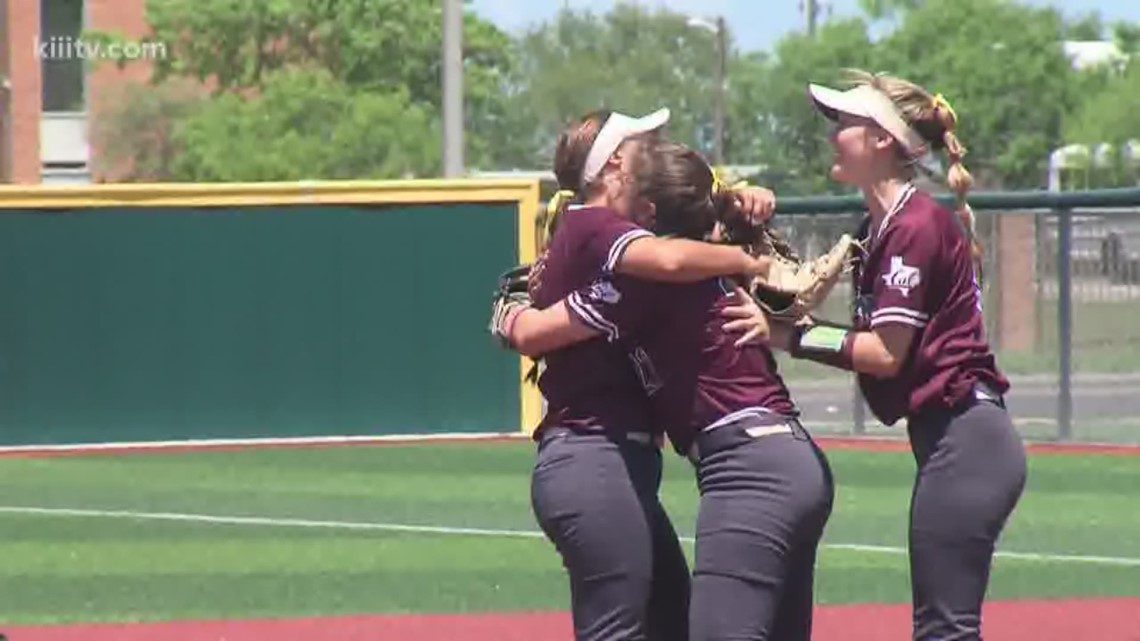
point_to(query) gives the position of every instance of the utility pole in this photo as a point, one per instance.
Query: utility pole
(721, 88)
(811, 15)
(720, 33)
(452, 88)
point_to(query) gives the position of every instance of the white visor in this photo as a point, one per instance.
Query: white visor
(617, 129)
(867, 102)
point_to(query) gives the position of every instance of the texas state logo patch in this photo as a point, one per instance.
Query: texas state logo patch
(604, 291)
(902, 277)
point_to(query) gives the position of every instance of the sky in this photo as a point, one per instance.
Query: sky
(755, 24)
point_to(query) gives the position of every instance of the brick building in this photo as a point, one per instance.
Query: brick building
(54, 82)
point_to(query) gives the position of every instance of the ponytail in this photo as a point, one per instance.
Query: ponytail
(958, 178)
(549, 218)
(733, 229)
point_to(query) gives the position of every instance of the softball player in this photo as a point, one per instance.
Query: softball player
(598, 468)
(766, 488)
(917, 343)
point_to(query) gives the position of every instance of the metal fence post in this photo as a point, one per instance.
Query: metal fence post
(1064, 323)
(858, 406)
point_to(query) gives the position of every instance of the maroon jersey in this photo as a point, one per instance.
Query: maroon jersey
(688, 365)
(918, 272)
(590, 385)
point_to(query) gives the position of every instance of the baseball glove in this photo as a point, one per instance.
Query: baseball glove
(512, 292)
(794, 287)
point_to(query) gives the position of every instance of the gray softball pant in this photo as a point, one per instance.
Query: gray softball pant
(971, 473)
(595, 497)
(766, 495)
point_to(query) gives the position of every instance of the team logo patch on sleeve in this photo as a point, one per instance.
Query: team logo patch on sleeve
(605, 292)
(902, 277)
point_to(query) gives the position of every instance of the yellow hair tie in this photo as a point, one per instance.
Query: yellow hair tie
(553, 206)
(719, 186)
(940, 102)
(555, 202)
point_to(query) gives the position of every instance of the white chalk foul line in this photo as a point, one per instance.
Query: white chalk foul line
(1021, 556)
(196, 444)
(267, 521)
(526, 534)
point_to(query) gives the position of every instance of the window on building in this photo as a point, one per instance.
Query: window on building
(61, 22)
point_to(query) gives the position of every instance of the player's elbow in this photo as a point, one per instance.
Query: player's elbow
(527, 343)
(886, 366)
(887, 350)
(882, 363)
(670, 263)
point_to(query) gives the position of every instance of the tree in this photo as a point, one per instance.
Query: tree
(885, 9)
(1109, 115)
(378, 45)
(134, 129)
(1002, 66)
(360, 58)
(792, 138)
(1126, 35)
(749, 123)
(631, 59)
(1087, 27)
(307, 125)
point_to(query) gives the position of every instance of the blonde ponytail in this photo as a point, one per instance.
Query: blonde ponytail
(549, 218)
(958, 178)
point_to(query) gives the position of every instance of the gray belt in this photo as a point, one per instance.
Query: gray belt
(736, 434)
(644, 438)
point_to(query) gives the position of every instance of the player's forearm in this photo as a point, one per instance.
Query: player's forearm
(871, 356)
(865, 352)
(536, 332)
(780, 335)
(679, 260)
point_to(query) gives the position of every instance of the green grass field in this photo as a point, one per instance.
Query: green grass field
(117, 568)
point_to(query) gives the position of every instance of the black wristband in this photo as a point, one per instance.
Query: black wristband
(824, 343)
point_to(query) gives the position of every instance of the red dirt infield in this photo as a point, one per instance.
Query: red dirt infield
(1058, 620)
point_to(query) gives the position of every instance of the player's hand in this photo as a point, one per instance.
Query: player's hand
(754, 204)
(750, 319)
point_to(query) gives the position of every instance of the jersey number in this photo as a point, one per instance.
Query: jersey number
(643, 365)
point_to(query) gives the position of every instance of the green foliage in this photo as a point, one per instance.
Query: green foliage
(1002, 66)
(748, 123)
(794, 138)
(371, 67)
(633, 60)
(1109, 116)
(381, 45)
(884, 9)
(1126, 35)
(991, 58)
(1090, 26)
(135, 130)
(307, 125)
(999, 61)
(82, 569)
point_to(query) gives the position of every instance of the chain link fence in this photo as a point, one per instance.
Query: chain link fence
(1062, 308)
